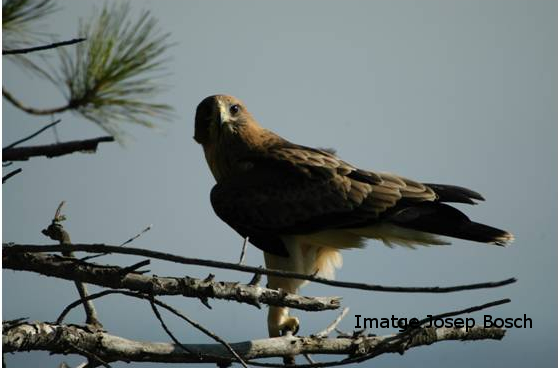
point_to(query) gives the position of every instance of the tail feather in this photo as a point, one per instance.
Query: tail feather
(485, 234)
(453, 193)
(441, 219)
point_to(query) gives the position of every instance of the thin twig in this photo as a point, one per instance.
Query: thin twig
(334, 324)
(200, 328)
(43, 47)
(308, 357)
(137, 235)
(10, 174)
(53, 150)
(135, 267)
(121, 245)
(58, 214)
(167, 330)
(460, 311)
(32, 110)
(90, 356)
(32, 135)
(76, 303)
(243, 252)
(102, 248)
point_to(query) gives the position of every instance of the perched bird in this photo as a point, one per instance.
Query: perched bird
(302, 205)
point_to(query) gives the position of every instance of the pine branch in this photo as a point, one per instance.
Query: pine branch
(114, 76)
(21, 20)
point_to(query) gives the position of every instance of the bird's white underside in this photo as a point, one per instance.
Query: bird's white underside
(319, 253)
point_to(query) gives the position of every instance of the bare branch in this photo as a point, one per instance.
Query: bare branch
(32, 110)
(201, 328)
(123, 244)
(53, 150)
(63, 339)
(32, 135)
(243, 252)
(166, 328)
(102, 248)
(334, 324)
(10, 174)
(44, 47)
(137, 235)
(56, 231)
(117, 278)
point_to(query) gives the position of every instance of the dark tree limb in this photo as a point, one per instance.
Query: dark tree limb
(103, 248)
(53, 150)
(43, 47)
(122, 278)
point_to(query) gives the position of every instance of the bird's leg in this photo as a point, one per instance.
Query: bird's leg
(278, 319)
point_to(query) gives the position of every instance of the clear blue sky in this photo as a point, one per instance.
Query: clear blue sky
(456, 92)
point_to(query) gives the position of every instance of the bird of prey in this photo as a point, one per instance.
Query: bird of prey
(302, 205)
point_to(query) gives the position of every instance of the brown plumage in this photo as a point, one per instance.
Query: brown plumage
(300, 205)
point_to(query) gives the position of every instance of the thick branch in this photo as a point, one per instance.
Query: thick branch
(67, 339)
(119, 278)
(102, 248)
(53, 150)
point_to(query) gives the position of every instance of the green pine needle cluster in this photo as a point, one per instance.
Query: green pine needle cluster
(112, 76)
(19, 21)
(21, 27)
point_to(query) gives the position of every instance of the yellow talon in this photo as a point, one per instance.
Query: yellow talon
(290, 324)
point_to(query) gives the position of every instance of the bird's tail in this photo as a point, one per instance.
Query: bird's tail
(442, 219)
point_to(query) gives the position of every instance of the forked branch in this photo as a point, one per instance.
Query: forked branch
(125, 278)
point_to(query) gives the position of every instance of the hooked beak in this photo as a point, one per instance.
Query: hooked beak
(224, 115)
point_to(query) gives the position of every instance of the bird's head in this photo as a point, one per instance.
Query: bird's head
(227, 132)
(220, 118)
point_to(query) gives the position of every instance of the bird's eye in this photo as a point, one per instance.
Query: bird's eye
(234, 109)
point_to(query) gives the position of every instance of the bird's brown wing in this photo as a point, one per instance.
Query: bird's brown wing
(292, 189)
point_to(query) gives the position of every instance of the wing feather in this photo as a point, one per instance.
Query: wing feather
(292, 189)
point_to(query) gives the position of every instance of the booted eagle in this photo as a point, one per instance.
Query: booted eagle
(302, 205)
